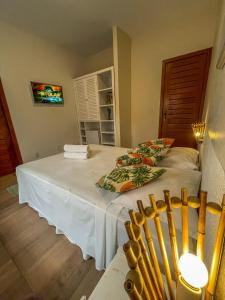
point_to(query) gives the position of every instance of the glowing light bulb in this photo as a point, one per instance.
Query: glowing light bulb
(193, 270)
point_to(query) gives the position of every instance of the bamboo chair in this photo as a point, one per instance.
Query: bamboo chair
(144, 280)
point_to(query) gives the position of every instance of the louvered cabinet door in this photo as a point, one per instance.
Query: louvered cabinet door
(81, 99)
(92, 96)
(183, 90)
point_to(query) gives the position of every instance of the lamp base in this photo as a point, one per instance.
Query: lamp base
(186, 292)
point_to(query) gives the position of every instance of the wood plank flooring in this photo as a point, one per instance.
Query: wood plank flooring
(35, 263)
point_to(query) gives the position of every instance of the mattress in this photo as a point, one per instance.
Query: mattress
(64, 192)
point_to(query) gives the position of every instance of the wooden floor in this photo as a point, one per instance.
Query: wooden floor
(35, 263)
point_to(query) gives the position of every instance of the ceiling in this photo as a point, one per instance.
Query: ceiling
(85, 25)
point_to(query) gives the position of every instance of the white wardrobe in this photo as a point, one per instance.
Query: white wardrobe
(103, 98)
(95, 103)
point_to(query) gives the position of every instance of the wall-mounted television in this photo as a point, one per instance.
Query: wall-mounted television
(44, 93)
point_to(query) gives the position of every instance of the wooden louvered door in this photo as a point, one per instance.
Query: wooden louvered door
(9, 151)
(184, 80)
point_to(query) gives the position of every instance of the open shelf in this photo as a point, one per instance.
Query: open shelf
(108, 144)
(105, 97)
(107, 132)
(106, 89)
(90, 132)
(107, 121)
(108, 138)
(105, 80)
(92, 126)
(106, 105)
(83, 138)
(107, 127)
(106, 113)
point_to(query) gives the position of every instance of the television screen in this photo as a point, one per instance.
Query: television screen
(47, 93)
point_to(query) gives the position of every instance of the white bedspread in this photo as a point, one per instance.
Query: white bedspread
(64, 192)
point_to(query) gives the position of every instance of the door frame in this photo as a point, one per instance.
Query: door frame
(6, 113)
(207, 51)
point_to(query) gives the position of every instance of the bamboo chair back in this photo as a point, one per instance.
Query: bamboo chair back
(144, 281)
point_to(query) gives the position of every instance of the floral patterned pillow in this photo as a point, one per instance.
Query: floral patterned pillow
(129, 159)
(134, 158)
(124, 179)
(168, 142)
(151, 150)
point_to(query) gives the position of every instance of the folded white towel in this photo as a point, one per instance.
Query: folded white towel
(76, 148)
(76, 155)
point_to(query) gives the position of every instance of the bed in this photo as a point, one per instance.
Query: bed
(63, 191)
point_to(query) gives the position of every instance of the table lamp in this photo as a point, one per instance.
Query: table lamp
(186, 275)
(193, 277)
(199, 131)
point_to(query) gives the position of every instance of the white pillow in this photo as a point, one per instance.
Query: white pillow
(180, 158)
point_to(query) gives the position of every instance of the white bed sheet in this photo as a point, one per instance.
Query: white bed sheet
(64, 192)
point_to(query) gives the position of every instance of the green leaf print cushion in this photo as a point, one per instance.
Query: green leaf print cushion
(127, 178)
(157, 147)
(133, 158)
(154, 150)
(162, 141)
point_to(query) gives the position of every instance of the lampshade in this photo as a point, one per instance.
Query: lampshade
(193, 270)
(199, 131)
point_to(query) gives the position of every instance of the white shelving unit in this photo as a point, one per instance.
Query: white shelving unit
(87, 127)
(95, 104)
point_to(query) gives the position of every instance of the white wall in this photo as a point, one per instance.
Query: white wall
(24, 58)
(97, 61)
(213, 162)
(181, 34)
(122, 67)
